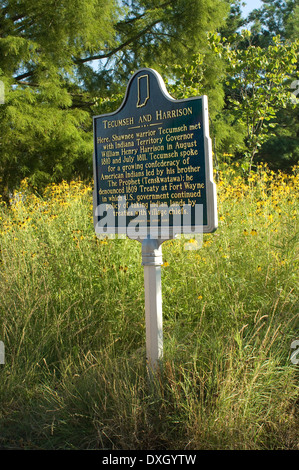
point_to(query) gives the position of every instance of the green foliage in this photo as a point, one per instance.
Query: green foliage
(281, 150)
(205, 75)
(172, 31)
(278, 18)
(52, 87)
(234, 20)
(61, 65)
(42, 136)
(273, 18)
(45, 134)
(259, 79)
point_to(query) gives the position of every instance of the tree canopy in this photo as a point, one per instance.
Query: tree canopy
(62, 62)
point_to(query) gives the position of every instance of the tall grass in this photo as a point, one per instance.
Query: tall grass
(72, 321)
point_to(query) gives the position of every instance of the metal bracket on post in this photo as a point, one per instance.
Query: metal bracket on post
(152, 261)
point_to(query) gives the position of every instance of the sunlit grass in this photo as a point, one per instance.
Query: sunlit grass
(72, 321)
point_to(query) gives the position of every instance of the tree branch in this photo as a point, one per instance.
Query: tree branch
(118, 48)
(24, 75)
(29, 84)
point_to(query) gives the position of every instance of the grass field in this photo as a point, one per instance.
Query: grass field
(72, 322)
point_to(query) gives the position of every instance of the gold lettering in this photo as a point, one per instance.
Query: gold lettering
(145, 118)
(118, 123)
(152, 163)
(161, 115)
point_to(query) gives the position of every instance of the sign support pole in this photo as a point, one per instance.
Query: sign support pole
(152, 261)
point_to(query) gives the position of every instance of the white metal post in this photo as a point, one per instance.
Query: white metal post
(152, 261)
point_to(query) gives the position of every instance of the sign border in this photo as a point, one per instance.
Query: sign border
(167, 233)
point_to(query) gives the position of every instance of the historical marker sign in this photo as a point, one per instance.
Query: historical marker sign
(153, 162)
(153, 180)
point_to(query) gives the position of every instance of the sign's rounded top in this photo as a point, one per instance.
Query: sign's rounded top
(147, 72)
(146, 90)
